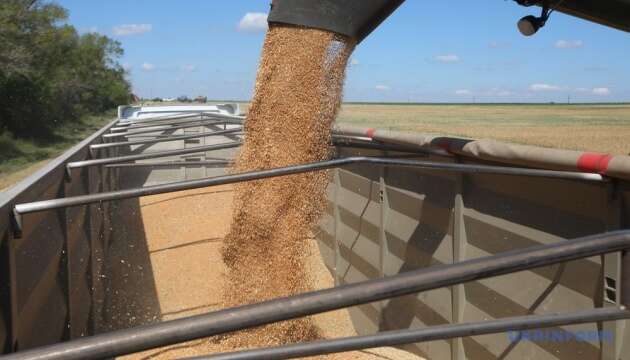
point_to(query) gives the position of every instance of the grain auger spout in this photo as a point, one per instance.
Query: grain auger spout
(353, 18)
(358, 18)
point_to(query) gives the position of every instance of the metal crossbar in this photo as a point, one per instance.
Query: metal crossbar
(176, 115)
(128, 122)
(37, 206)
(270, 173)
(151, 155)
(165, 128)
(164, 139)
(201, 114)
(410, 336)
(145, 337)
(165, 124)
(172, 164)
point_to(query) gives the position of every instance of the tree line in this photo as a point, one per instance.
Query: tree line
(50, 73)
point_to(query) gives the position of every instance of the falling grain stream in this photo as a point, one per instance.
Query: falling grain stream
(253, 241)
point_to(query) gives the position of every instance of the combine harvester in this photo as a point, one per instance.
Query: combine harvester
(443, 246)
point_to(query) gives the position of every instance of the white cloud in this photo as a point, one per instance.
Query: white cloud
(462, 92)
(569, 44)
(504, 93)
(382, 87)
(189, 68)
(582, 89)
(148, 67)
(497, 91)
(447, 58)
(132, 29)
(354, 62)
(253, 22)
(127, 66)
(544, 87)
(601, 91)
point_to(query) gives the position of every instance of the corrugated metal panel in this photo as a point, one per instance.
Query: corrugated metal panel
(391, 220)
(46, 274)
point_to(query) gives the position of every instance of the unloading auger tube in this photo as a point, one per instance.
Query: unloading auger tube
(352, 18)
(358, 18)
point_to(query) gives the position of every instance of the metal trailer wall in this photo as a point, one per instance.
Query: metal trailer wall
(52, 286)
(56, 282)
(63, 277)
(383, 220)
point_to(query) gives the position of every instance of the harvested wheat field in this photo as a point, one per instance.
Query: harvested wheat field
(603, 128)
(190, 275)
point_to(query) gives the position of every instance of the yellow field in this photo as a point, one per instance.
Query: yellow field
(603, 128)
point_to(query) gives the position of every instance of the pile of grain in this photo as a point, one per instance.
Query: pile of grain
(297, 96)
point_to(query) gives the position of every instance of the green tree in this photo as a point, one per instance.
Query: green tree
(49, 74)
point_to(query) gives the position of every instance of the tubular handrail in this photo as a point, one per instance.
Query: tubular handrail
(43, 205)
(164, 123)
(165, 139)
(180, 121)
(151, 155)
(289, 170)
(432, 333)
(177, 115)
(145, 337)
(164, 128)
(201, 113)
(173, 163)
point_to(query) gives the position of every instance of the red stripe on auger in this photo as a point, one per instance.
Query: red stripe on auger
(443, 143)
(594, 162)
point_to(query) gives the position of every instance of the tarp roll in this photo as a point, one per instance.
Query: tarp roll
(616, 166)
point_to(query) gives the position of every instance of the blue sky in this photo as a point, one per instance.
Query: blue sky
(428, 51)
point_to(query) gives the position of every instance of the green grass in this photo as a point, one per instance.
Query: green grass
(18, 154)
